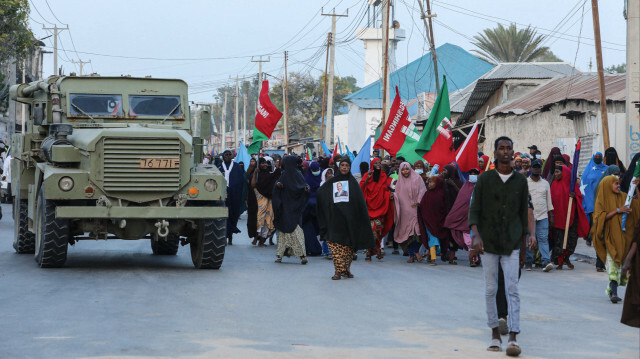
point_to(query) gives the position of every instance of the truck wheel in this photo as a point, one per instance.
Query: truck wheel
(168, 246)
(207, 248)
(52, 235)
(23, 240)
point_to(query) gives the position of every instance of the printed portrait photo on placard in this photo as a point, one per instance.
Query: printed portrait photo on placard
(341, 191)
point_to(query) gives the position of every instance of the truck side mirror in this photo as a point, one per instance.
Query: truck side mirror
(205, 124)
(38, 114)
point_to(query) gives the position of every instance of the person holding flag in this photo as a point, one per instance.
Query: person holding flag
(570, 221)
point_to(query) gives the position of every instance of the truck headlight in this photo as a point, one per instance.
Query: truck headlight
(210, 185)
(65, 184)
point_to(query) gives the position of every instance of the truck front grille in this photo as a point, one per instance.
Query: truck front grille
(122, 172)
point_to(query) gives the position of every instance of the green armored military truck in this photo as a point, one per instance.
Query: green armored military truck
(114, 158)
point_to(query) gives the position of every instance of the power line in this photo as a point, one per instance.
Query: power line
(52, 13)
(489, 17)
(38, 11)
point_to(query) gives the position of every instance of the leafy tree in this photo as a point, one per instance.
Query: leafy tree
(15, 35)
(509, 44)
(616, 69)
(305, 101)
(549, 56)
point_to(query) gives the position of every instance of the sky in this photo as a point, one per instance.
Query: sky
(207, 42)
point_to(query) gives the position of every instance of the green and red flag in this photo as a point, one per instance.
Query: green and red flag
(267, 117)
(436, 143)
(309, 156)
(467, 154)
(399, 136)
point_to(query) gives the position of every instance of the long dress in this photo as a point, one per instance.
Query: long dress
(631, 303)
(578, 223)
(344, 222)
(408, 194)
(433, 212)
(310, 225)
(252, 204)
(236, 194)
(458, 218)
(377, 195)
(263, 191)
(610, 241)
(290, 196)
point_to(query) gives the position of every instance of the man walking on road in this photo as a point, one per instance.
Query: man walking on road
(498, 218)
(540, 192)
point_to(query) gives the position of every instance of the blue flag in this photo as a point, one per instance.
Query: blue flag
(340, 146)
(363, 156)
(243, 155)
(351, 156)
(325, 149)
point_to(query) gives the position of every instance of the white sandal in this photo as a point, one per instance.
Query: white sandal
(495, 345)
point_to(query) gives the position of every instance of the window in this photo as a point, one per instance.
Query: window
(165, 106)
(95, 105)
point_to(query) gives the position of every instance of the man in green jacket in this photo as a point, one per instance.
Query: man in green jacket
(498, 218)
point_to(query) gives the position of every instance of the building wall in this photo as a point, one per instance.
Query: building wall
(362, 123)
(548, 129)
(341, 129)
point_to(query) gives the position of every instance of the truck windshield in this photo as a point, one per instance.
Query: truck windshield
(96, 105)
(167, 106)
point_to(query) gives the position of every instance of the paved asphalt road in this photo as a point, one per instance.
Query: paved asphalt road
(116, 300)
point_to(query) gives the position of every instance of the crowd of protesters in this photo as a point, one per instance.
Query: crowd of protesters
(515, 210)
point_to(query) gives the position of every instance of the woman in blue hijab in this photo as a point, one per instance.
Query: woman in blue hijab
(589, 181)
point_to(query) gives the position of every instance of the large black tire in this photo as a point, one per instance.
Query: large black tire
(167, 247)
(207, 247)
(52, 235)
(23, 240)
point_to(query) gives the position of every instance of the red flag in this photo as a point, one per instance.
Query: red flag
(335, 151)
(442, 152)
(467, 154)
(267, 117)
(399, 136)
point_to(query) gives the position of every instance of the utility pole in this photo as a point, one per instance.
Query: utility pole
(55, 30)
(429, 30)
(244, 124)
(260, 61)
(603, 97)
(224, 124)
(13, 73)
(324, 89)
(235, 116)
(328, 135)
(285, 101)
(385, 57)
(633, 73)
(80, 65)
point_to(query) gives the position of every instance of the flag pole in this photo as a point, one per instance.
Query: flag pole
(566, 226)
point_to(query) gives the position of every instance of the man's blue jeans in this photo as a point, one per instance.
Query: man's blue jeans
(542, 235)
(510, 265)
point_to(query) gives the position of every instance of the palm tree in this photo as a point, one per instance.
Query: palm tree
(508, 44)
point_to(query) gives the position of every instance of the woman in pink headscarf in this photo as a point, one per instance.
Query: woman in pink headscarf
(409, 191)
